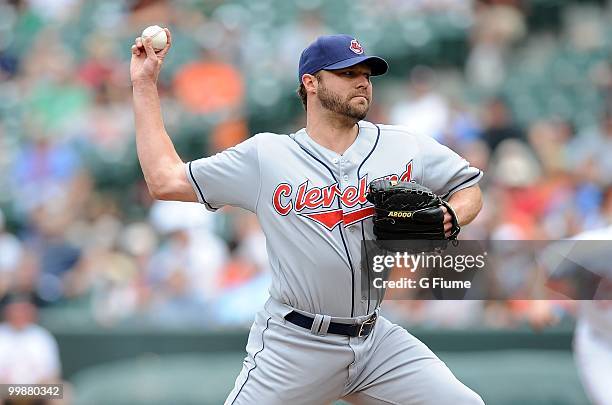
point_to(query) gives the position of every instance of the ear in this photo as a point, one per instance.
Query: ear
(310, 83)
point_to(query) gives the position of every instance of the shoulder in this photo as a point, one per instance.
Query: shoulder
(400, 133)
(272, 144)
(270, 138)
(260, 141)
(40, 334)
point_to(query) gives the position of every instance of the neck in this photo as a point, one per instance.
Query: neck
(331, 130)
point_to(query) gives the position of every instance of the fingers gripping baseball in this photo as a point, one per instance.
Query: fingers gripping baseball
(146, 63)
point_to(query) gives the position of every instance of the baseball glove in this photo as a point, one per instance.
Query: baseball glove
(407, 210)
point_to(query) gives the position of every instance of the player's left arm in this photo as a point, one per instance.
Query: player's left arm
(466, 203)
(451, 177)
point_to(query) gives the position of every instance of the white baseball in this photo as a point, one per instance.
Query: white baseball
(158, 36)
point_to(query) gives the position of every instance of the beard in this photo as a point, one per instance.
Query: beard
(333, 102)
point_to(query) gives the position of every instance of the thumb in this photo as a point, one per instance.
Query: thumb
(148, 46)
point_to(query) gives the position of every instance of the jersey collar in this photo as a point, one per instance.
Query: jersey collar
(366, 137)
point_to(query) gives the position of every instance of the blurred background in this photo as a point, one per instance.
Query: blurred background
(138, 301)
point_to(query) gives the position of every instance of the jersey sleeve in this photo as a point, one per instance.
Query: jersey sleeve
(231, 177)
(444, 171)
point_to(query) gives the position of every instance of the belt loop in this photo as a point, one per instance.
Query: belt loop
(325, 325)
(320, 324)
(316, 324)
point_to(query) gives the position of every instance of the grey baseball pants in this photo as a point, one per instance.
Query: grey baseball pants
(287, 364)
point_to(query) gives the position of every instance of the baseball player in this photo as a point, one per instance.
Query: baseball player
(593, 334)
(317, 338)
(593, 338)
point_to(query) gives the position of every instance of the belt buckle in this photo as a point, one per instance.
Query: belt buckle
(370, 321)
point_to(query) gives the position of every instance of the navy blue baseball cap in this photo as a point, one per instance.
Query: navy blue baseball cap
(330, 52)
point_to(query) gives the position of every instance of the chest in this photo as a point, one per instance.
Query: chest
(332, 189)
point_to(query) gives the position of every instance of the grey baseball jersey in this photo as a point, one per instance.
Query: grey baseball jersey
(310, 202)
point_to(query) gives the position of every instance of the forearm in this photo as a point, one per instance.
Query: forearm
(467, 204)
(156, 153)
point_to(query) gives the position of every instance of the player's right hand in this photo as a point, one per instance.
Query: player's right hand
(146, 63)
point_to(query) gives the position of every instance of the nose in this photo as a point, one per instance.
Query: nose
(364, 81)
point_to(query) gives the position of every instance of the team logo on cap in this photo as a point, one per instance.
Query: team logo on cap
(356, 47)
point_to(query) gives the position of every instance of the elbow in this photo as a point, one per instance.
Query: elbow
(159, 186)
(170, 185)
(159, 194)
(164, 190)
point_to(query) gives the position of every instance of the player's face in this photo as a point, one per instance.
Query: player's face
(346, 91)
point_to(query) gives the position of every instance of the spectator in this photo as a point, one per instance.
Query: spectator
(11, 253)
(28, 352)
(246, 277)
(498, 124)
(496, 28)
(425, 111)
(43, 171)
(56, 256)
(209, 86)
(590, 151)
(184, 275)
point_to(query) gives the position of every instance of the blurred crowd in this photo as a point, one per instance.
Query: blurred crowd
(524, 98)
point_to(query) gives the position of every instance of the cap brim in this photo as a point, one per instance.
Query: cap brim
(378, 65)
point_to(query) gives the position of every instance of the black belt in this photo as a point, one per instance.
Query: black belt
(360, 330)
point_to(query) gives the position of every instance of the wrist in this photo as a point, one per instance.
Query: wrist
(144, 83)
(453, 211)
